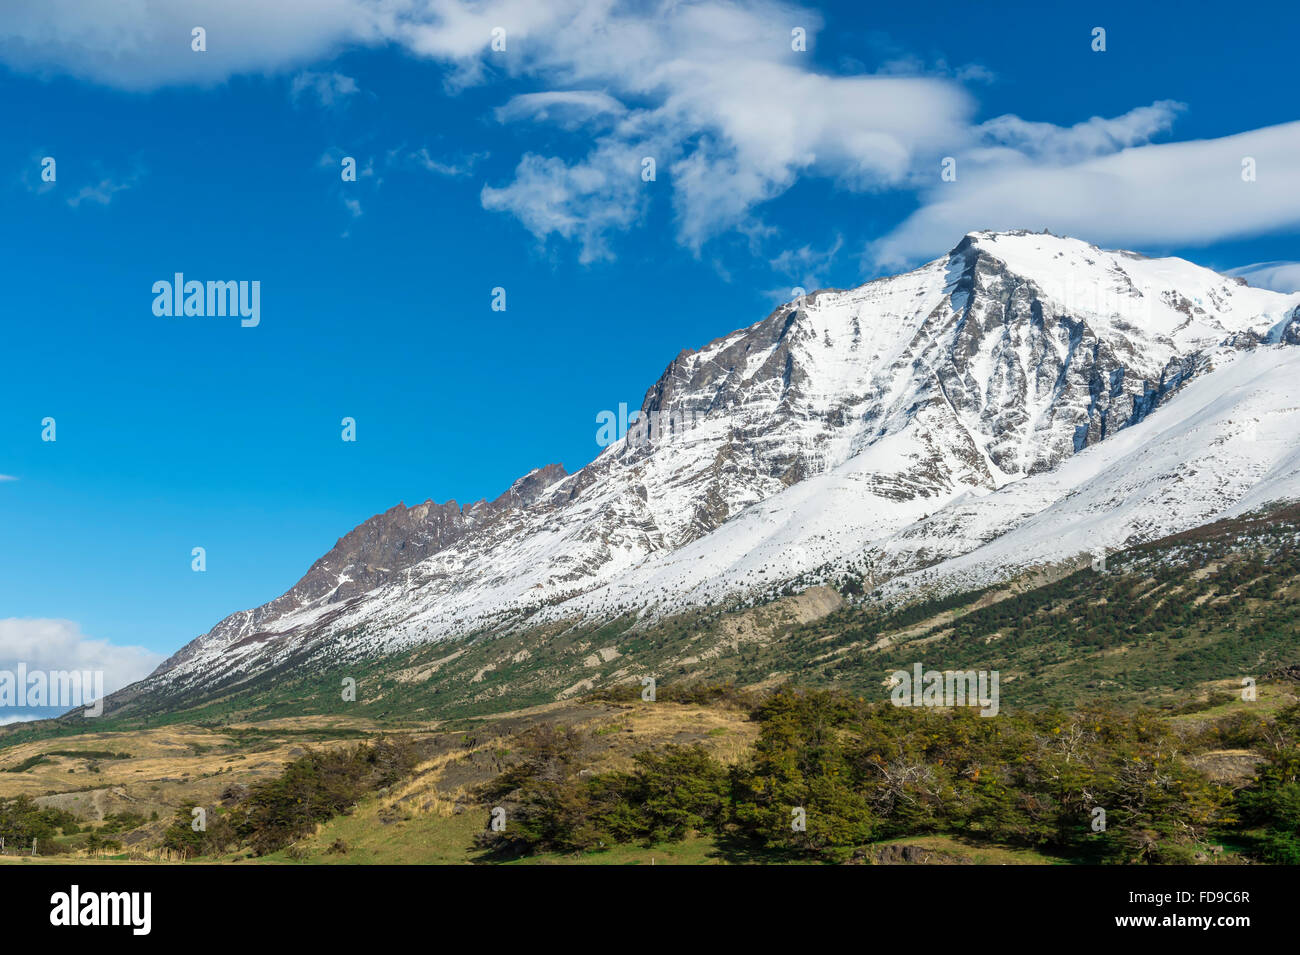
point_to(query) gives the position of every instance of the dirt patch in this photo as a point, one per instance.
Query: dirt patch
(1234, 766)
(89, 805)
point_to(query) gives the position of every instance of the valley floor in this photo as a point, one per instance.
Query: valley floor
(1162, 692)
(133, 787)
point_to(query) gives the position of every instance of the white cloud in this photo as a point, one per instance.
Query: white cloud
(568, 109)
(1172, 193)
(714, 93)
(730, 115)
(328, 89)
(50, 644)
(1012, 137)
(1278, 276)
(767, 124)
(7, 477)
(730, 112)
(144, 44)
(582, 201)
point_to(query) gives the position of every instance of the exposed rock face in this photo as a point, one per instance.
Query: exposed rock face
(882, 425)
(378, 549)
(371, 552)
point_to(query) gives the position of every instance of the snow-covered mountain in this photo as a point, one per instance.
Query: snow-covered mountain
(1023, 400)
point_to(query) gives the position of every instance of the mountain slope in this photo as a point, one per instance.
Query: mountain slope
(1024, 391)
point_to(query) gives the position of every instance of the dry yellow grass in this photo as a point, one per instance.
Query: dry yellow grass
(420, 795)
(615, 733)
(726, 734)
(167, 766)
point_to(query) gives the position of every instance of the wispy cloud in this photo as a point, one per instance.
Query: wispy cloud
(584, 202)
(568, 109)
(1278, 276)
(1012, 139)
(803, 266)
(100, 193)
(731, 115)
(454, 167)
(327, 89)
(1169, 193)
(370, 174)
(729, 110)
(145, 44)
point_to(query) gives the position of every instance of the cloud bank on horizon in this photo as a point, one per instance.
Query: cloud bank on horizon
(48, 646)
(724, 98)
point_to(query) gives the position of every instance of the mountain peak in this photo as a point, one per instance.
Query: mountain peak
(994, 234)
(1023, 240)
(858, 426)
(527, 488)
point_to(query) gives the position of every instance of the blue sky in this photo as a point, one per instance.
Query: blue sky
(517, 169)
